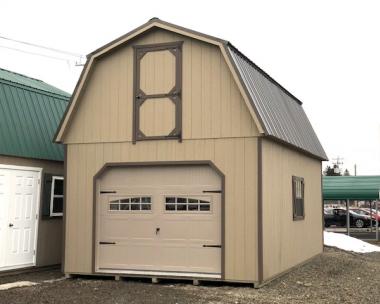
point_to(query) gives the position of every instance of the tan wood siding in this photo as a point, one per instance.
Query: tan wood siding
(212, 104)
(236, 158)
(49, 239)
(287, 242)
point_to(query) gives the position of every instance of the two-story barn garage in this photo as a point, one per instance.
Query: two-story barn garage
(184, 159)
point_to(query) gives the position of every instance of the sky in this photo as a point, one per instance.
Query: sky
(327, 53)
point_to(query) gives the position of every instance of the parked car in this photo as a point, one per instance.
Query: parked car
(338, 217)
(366, 212)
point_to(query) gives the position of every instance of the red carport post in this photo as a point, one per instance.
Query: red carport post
(348, 218)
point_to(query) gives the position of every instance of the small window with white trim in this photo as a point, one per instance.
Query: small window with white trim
(56, 199)
(143, 203)
(187, 204)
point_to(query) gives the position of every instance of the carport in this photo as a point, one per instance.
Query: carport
(346, 188)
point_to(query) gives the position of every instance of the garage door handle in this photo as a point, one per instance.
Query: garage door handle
(10, 225)
(213, 246)
(107, 243)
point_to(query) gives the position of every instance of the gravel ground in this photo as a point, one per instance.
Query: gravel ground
(333, 277)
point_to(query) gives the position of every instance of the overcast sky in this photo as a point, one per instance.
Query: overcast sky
(327, 53)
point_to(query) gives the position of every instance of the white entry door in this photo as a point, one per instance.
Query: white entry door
(19, 197)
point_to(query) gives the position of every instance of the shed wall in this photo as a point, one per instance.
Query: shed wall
(212, 104)
(49, 239)
(235, 157)
(287, 243)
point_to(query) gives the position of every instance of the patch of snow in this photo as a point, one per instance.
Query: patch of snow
(345, 242)
(17, 284)
(54, 280)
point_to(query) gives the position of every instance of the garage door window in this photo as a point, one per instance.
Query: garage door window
(187, 204)
(143, 203)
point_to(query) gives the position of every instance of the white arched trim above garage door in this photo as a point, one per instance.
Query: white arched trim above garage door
(159, 219)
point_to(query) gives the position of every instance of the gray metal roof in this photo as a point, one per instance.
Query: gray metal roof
(281, 113)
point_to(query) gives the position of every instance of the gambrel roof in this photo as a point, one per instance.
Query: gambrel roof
(276, 112)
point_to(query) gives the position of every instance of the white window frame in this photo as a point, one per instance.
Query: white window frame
(52, 196)
(130, 211)
(188, 197)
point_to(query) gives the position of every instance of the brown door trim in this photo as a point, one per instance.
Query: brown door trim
(158, 164)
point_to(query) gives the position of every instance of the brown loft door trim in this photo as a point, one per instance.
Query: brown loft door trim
(175, 94)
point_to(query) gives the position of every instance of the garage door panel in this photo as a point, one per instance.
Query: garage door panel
(204, 258)
(126, 228)
(179, 229)
(161, 239)
(128, 256)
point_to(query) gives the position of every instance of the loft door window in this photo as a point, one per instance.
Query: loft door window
(157, 91)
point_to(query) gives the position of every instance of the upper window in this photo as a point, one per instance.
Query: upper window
(157, 91)
(143, 203)
(56, 199)
(189, 204)
(298, 198)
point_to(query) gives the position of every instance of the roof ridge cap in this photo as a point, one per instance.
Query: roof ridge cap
(23, 75)
(34, 88)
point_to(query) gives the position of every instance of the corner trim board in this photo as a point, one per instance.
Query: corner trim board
(64, 209)
(260, 245)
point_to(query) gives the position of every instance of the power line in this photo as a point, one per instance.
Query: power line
(42, 47)
(33, 53)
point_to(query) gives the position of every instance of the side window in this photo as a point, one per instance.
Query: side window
(52, 202)
(56, 198)
(298, 185)
(187, 204)
(131, 204)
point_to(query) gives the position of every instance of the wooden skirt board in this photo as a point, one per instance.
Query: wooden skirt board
(19, 202)
(161, 219)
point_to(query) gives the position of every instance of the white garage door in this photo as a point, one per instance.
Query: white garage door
(160, 219)
(19, 191)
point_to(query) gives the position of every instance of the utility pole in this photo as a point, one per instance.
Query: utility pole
(336, 163)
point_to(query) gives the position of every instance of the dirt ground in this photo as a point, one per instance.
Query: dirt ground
(333, 277)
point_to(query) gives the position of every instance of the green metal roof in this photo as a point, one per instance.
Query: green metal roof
(30, 111)
(351, 187)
